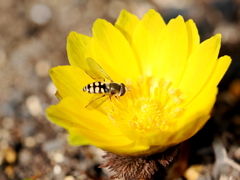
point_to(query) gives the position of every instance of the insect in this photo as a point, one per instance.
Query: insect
(102, 90)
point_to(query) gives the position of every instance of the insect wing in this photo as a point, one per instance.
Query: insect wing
(95, 71)
(96, 101)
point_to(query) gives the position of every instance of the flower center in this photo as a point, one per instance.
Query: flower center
(150, 105)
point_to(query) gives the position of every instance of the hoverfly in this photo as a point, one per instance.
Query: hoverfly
(102, 90)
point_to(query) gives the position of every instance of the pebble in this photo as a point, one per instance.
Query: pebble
(30, 142)
(9, 171)
(10, 155)
(40, 14)
(57, 169)
(40, 138)
(173, 4)
(25, 157)
(58, 157)
(193, 172)
(51, 89)
(230, 33)
(34, 106)
(42, 67)
(69, 178)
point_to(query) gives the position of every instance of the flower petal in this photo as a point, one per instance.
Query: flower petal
(69, 81)
(218, 71)
(66, 114)
(127, 23)
(193, 36)
(200, 64)
(195, 116)
(113, 143)
(170, 55)
(84, 129)
(112, 51)
(78, 49)
(144, 39)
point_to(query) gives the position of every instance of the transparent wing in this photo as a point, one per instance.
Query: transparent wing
(96, 101)
(95, 71)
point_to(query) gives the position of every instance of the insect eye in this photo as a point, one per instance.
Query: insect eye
(122, 89)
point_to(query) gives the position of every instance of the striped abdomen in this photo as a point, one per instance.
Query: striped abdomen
(97, 88)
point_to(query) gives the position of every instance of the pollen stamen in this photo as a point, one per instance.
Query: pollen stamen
(150, 105)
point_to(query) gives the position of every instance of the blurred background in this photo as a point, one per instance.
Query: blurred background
(32, 40)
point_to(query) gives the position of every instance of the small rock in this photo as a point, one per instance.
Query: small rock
(57, 169)
(41, 68)
(230, 32)
(58, 157)
(10, 155)
(40, 137)
(25, 157)
(69, 178)
(40, 14)
(193, 172)
(9, 171)
(30, 142)
(51, 89)
(34, 105)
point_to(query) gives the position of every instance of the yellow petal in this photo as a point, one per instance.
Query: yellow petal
(96, 138)
(84, 129)
(71, 113)
(126, 23)
(198, 109)
(171, 51)
(197, 114)
(144, 39)
(200, 64)
(78, 49)
(188, 130)
(162, 109)
(112, 143)
(216, 75)
(193, 36)
(218, 72)
(77, 139)
(69, 81)
(113, 52)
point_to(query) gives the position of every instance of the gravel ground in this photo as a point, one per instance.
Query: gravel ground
(33, 39)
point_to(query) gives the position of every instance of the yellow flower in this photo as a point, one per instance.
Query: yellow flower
(171, 76)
